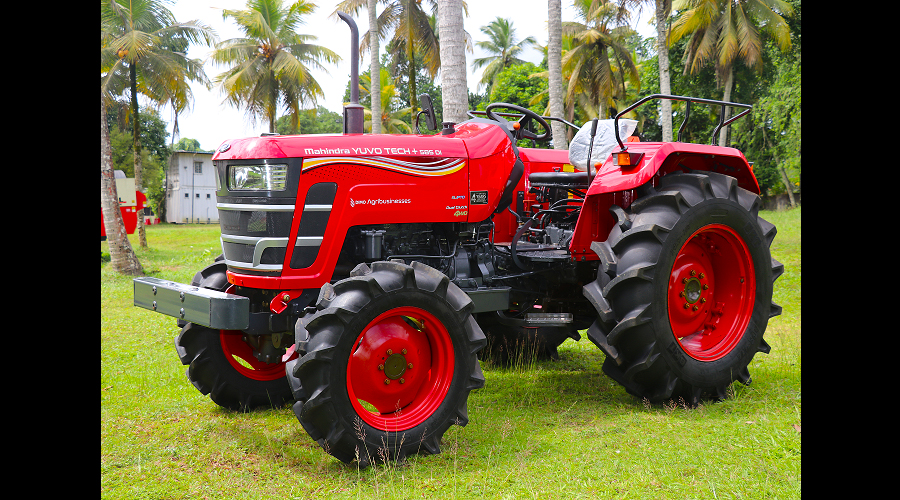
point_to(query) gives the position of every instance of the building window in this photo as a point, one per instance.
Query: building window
(186, 195)
(207, 196)
(198, 195)
(198, 167)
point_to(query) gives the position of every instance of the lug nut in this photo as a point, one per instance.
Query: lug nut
(390, 351)
(696, 307)
(702, 275)
(387, 381)
(402, 381)
(409, 365)
(706, 287)
(693, 273)
(380, 367)
(403, 352)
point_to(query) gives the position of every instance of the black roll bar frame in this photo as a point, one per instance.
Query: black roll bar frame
(722, 123)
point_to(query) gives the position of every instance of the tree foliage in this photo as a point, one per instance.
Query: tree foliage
(504, 48)
(311, 121)
(517, 85)
(270, 66)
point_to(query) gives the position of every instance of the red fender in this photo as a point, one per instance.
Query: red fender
(615, 185)
(665, 157)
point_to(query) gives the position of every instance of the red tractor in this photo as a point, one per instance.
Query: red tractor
(362, 274)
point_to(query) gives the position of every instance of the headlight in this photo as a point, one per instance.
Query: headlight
(257, 177)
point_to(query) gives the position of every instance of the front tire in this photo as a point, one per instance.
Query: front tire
(222, 364)
(687, 291)
(390, 359)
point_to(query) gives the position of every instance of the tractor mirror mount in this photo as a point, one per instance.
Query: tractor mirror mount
(428, 111)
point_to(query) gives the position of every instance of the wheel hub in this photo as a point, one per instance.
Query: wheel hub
(395, 366)
(692, 290)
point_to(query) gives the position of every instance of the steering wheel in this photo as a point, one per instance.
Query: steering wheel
(520, 132)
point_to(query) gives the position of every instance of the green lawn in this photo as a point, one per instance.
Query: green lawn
(550, 430)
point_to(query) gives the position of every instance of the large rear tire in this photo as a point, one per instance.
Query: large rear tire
(684, 292)
(390, 359)
(221, 363)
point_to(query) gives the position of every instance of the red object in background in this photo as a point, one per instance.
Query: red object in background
(129, 206)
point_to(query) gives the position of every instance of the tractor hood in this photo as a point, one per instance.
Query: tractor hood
(470, 140)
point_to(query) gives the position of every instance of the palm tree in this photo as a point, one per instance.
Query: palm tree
(454, 91)
(554, 66)
(122, 257)
(568, 101)
(412, 33)
(142, 50)
(599, 61)
(270, 66)
(392, 118)
(504, 50)
(662, 10)
(724, 31)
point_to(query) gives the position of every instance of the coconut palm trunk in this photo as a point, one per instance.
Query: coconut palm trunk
(138, 164)
(729, 85)
(374, 68)
(554, 66)
(122, 257)
(663, 8)
(454, 89)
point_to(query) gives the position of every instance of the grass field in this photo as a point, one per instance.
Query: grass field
(547, 430)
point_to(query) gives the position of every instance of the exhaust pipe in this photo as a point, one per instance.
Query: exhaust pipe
(354, 116)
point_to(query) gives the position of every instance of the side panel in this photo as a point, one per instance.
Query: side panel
(373, 190)
(487, 178)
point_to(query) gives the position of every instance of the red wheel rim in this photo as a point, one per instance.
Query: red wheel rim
(711, 293)
(400, 369)
(240, 354)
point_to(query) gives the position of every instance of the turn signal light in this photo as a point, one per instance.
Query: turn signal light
(626, 159)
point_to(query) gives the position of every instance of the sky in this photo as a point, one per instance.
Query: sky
(211, 122)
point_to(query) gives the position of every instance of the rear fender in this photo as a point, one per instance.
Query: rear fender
(615, 185)
(663, 158)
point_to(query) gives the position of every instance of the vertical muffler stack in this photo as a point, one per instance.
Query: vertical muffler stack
(354, 116)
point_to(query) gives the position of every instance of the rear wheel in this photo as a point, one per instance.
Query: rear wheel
(390, 359)
(687, 291)
(222, 364)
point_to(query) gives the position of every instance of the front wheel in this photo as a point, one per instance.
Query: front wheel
(390, 359)
(222, 364)
(687, 291)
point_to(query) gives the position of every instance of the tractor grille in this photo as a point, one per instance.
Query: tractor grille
(255, 236)
(256, 228)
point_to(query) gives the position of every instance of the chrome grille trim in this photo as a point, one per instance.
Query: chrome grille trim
(255, 208)
(260, 244)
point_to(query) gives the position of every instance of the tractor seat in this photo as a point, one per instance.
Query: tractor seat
(571, 180)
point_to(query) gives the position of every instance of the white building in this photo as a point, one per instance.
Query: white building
(191, 188)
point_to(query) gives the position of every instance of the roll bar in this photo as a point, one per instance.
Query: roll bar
(687, 114)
